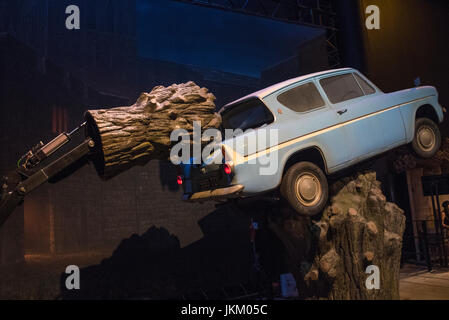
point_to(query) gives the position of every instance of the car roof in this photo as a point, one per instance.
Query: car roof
(269, 90)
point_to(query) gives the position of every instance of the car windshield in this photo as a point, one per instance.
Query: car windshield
(250, 114)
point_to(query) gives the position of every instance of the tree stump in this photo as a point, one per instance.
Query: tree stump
(359, 228)
(126, 136)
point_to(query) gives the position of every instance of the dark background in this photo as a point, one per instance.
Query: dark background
(50, 75)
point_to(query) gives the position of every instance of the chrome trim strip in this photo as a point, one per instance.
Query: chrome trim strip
(315, 133)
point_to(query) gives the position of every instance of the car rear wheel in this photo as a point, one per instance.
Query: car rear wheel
(427, 139)
(305, 187)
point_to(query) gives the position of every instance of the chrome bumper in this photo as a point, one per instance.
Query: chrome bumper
(215, 194)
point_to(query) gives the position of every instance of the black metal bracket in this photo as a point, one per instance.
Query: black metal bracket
(11, 199)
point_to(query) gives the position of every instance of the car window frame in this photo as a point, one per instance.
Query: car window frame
(343, 72)
(229, 108)
(351, 72)
(376, 90)
(297, 84)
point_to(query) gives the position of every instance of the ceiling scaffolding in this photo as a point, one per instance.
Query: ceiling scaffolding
(312, 13)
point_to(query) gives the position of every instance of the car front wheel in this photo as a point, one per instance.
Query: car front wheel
(305, 187)
(427, 139)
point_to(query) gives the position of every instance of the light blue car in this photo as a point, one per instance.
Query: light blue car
(319, 124)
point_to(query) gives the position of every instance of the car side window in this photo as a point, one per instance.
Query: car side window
(367, 89)
(302, 98)
(341, 88)
(250, 114)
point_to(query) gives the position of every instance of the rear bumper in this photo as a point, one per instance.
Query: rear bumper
(215, 194)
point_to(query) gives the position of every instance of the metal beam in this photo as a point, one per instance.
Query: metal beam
(311, 13)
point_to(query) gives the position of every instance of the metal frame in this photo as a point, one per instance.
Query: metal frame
(312, 13)
(23, 180)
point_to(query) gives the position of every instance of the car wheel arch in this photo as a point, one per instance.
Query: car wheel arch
(423, 111)
(312, 154)
(427, 111)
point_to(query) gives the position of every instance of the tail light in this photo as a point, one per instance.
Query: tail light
(227, 169)
(179, 180)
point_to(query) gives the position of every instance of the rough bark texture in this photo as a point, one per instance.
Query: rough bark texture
(359, 228)
(135, 134)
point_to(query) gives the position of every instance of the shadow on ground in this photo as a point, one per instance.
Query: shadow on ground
(154, 266)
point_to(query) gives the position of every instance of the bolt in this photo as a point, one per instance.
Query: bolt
(22, 190)
(91, 143)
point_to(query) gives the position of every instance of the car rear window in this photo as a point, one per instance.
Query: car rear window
(302, 98)
(341, 88)
(250, 114)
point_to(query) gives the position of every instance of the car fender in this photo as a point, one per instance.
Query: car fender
(293, 151)
(409, 114)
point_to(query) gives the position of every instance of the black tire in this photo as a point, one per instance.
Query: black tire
(427, 138)
(314, 186)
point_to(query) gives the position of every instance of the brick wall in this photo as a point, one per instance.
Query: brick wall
(11, 239)
(83, 212)
(31, 89)
(95, 214)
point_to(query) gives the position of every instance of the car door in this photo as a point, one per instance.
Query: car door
(389, 117)
(307, 118)
(356, 114)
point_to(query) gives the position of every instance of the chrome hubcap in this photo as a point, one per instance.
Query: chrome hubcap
(308, 189)
(426, 138)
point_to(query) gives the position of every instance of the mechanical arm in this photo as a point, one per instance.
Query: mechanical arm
(50, 162)
(113, 139)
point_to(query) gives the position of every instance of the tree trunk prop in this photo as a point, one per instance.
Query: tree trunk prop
(126, 136)
(329, 257)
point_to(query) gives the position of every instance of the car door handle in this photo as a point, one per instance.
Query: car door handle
(340, 112)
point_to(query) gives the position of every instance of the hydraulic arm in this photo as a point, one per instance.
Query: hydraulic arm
(42, 163)
(113, 139)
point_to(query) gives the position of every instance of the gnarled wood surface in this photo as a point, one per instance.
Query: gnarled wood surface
(359, 228)
(135, 134)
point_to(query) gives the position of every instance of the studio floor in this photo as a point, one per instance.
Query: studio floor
(417, 283)
(39, 278)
